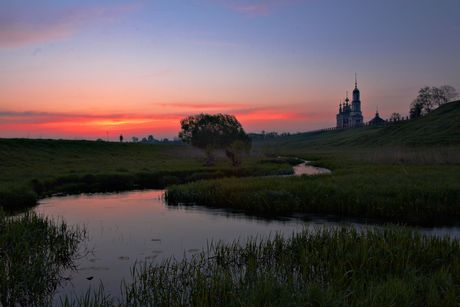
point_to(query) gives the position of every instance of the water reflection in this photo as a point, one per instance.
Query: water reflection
(306, 169)
(138, 226)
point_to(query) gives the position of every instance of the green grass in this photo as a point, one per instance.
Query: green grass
(32, 169)
(408, 172)
(34, 251)
(440, 127)
(336, 267)
(416, 194)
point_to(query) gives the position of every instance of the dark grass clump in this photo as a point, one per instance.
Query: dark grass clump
(20, 196)
(336, 267)
(34, 251)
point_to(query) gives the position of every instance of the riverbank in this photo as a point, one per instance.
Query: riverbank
(333, 265)
(413, 193)
(33, 169)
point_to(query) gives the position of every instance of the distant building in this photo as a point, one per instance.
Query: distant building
(350, 115)
(377, 120)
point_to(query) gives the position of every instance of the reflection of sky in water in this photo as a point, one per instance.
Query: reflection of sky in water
(135, 226)
(305, 169)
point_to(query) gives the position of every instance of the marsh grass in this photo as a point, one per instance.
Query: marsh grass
(415, 194)
(34, 251)
(326, 267)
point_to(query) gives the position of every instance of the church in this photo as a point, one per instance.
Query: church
(350, 115)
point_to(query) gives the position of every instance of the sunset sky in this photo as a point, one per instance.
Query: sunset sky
(82, 69)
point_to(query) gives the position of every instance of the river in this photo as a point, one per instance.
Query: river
(125, 228)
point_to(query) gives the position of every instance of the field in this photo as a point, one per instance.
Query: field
(32, 169)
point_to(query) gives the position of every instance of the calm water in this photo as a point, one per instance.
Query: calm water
(138, 226)
(306, 169)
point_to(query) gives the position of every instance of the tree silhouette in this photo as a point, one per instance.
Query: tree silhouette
(395, 117)
(212, 132)
(430, 98)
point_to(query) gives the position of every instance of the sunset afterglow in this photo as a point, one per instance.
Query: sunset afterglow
(97, 69)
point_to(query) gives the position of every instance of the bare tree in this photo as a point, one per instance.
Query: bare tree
(449, 92)
(430, 98)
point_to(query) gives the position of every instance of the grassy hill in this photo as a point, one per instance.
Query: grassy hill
(440, 127)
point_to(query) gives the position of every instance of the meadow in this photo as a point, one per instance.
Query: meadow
(33, 169)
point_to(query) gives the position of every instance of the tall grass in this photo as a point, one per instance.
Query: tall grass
(335, 267)
(417, 194)
(34, 251)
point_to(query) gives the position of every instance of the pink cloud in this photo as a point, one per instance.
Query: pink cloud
(18, 33)
(205, 106)
(18, 37)
(252, 9)
(255, 7)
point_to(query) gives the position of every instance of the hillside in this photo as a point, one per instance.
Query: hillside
(440, 127)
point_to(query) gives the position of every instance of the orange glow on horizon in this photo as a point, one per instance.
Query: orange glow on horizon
(94, 126)
(125, 122)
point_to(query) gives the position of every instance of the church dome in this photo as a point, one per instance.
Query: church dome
(356, 90)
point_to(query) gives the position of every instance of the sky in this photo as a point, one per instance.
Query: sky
(97, 69)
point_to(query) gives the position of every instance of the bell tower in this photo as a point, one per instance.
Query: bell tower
(356, 103)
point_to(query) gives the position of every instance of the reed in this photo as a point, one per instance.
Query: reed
(34, 251)
(326, 267)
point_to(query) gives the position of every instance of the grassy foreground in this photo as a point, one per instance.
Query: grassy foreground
(338, 267)
(389, 266)
(32, 169)
(34, 251)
